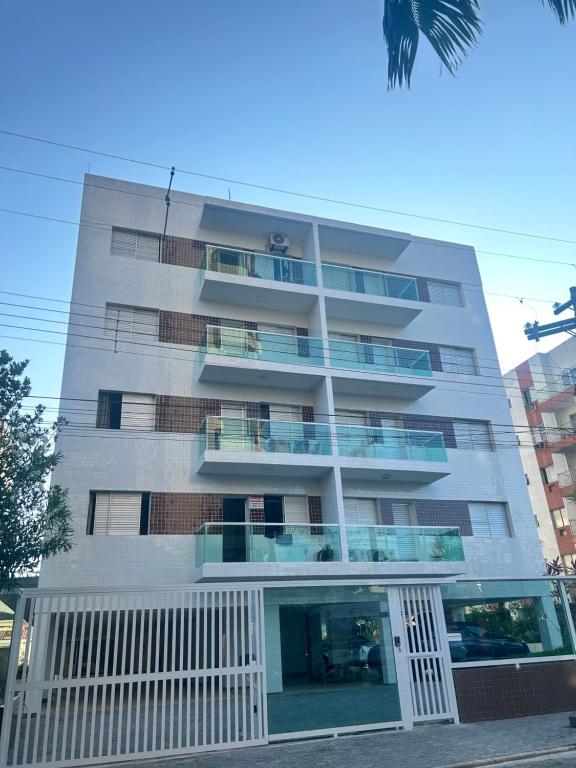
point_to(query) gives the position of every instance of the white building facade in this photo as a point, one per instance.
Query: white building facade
(293, 432)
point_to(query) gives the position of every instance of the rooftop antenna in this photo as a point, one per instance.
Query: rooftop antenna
(167, 200)
(229, 198)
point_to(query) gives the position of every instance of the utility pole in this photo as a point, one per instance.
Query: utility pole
(535, 331)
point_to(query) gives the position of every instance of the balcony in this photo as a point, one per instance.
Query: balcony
(267, 543)
(553, 399)
(389, 371)
(561, 440)
(286, 550)
(382, 543)
(248, 278)
(567, 483)
(396, 455)
(240, 356)
(264, 447)
(389, 297)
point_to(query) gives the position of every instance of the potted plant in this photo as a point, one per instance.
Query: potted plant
(326, 554)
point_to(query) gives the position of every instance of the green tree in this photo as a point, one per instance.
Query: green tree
(34, 517)
(452, 28)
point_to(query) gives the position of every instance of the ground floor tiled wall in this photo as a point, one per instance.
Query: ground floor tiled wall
(491, 693)
(183, 513)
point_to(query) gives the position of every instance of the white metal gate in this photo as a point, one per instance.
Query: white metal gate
(102, 677)
(423, 654)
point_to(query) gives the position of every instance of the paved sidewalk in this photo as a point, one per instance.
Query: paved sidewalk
(427, 746)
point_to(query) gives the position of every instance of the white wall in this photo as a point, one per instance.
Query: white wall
(103, 461)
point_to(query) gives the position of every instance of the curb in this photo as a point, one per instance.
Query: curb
(502, 759)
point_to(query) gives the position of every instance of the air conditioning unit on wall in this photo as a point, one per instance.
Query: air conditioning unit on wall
(278, 243)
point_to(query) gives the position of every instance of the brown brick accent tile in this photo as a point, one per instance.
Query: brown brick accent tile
(181, 328)
(491, 693)
(182, 252)
(307, 413)
(432, 349)
(448, 513)
(183, 414)
(423, 291)
(183, 513)
(315, 509)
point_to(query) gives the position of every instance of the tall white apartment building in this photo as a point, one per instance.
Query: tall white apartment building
(290, 459)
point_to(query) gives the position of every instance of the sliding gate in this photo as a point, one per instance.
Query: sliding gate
(102, 677)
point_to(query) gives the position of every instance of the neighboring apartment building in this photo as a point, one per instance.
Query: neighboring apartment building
(543, 403)
(298, 503)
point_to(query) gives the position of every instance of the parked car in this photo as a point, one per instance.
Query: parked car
(478, 643)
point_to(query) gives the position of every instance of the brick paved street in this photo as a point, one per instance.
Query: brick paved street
(428, 746)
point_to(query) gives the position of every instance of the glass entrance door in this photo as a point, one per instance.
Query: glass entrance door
(330, 658)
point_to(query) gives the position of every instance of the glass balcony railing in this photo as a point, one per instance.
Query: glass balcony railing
(223, 433)
(262, 345)
(263, 266)
(379, 358)
(388, 443)
(266, 543)
(370, 282)
(397, 544)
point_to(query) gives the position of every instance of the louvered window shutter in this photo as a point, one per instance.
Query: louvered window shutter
(448, 294)
(135, 245)
(360, 511)
(138, 412)
(401, 513)
(296, 510)
(131, 323)
(473, 435)
(489, 519)
(458, 360)
(117, 514)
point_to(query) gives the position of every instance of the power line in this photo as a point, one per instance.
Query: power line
(102, 308)
(293, 193)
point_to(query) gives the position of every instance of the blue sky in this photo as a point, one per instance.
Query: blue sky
(291, 94)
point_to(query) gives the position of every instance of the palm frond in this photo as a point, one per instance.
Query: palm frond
(564, 10)
(451, 26)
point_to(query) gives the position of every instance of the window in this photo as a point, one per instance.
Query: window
(528, 397)
(544, 476)
(296, 510)
(351, 418)
(118, 514)
(360, 511)
(458, 360)
(445, 293)
(131, 323)
(489, 519)
(569, 377)
(126, 410)
(135, 245)
(505, 619)
(473, 435)
(560, 518)
(291, 413)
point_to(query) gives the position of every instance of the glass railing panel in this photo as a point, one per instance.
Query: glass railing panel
(262, 345)
(370, 282)
(397, 544)
(222, 433)
(262, 266)
(267, 543)
(379, 358)
(381, 443)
